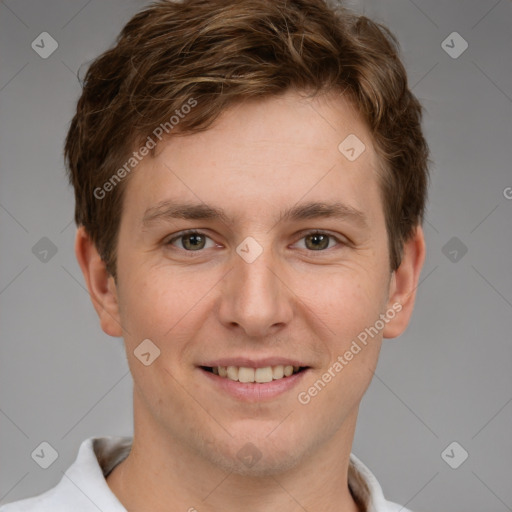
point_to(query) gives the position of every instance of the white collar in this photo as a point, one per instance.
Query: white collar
(84, 487)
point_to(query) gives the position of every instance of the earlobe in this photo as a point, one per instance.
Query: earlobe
(403, 284)
(101, 285)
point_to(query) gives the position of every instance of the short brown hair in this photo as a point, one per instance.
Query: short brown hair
(220, 52)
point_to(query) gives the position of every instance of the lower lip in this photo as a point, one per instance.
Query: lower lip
(254, 391)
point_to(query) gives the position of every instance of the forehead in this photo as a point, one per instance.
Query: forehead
(261, 155)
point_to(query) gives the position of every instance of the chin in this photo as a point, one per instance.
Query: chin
(259, 455)
(264, 464)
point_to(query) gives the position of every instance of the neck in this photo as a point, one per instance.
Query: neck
(162, 474)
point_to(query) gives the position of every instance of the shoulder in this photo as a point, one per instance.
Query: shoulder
(83, 487)
(365, 486)
(40, 503)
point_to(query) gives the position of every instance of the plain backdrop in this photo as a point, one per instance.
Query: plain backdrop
(447, 379)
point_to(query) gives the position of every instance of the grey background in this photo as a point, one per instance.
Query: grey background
(448, 378)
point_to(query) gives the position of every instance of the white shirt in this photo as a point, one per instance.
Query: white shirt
(83, 487)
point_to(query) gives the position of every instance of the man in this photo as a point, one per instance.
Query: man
(250, 181)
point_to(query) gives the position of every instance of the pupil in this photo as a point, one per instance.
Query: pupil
(322, 238)
(196, 240)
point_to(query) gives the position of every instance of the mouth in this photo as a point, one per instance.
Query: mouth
(254, 380)
(261, 375)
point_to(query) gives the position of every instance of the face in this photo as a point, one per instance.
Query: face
(263, 277)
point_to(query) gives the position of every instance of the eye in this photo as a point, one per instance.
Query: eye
(318, 240)
(195, 241)
(192, 240)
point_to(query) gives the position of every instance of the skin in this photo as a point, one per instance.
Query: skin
(259, 158)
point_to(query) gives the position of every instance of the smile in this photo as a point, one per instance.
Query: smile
(254, 375)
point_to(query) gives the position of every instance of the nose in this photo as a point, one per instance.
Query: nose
(255, 297)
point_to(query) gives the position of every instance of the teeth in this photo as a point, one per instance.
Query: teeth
(260, 375)
(278, 372)
(246, 374)
(263, 374)
(232, 372)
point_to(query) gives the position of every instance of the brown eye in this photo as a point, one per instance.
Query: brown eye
(191, 241)
(317, 241)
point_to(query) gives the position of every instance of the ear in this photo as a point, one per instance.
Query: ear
(101, 285)
(403, 284)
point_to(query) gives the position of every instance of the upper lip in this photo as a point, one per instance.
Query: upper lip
(253, 363)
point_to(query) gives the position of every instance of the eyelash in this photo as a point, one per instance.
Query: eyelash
(182, 234)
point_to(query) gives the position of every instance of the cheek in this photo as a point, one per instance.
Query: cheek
(348, 314)
(347, 302)
(153, 301)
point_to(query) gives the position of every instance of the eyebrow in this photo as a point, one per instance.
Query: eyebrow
(168, 210)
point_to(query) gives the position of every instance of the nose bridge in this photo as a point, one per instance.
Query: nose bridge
(255, 297)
